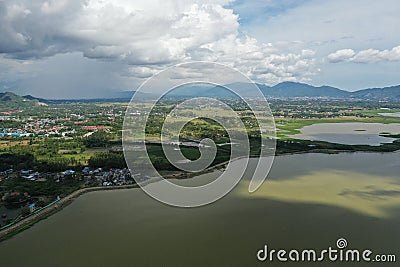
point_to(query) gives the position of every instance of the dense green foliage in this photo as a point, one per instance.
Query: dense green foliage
(108, 160)
(98, 139)
(16, 161)
(49, 188)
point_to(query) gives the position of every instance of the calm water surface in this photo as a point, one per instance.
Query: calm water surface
(349, 133)
(394, 114)
(309, 201)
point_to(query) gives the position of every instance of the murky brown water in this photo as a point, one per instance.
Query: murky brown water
(309, 201)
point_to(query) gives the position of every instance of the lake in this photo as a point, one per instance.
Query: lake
(349, 133)
(308, 201)
(394, 114)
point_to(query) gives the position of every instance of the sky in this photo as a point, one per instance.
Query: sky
(94, 48)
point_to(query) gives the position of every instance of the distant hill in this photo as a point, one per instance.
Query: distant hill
(281, 90)
(392, 92)
(199, 90)
(10, 100)
(292, 89)
(11, 97)
(127, 95)
(123, 96)
(288, 90)
(32, 98)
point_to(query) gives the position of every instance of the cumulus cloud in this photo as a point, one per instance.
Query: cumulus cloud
(365, 56)
(265, 62)
(373, 55)
(137, 32)
(141, 72)
(341, 55)
(146, 35)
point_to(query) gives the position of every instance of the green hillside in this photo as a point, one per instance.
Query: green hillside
(10, 100)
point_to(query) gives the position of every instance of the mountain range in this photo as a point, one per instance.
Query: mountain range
(287, 90)
(281, 90)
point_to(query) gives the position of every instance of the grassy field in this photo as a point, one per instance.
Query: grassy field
(7, 144)
(79, 158)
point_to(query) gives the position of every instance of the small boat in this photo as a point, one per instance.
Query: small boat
(4, 215)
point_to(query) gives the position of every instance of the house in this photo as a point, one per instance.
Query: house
(68, 172)
(32, 177)
(32, 207)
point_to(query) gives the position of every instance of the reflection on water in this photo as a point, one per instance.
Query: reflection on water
(354, 133)
(308, 201)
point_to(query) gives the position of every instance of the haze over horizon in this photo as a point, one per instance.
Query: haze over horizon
(93, 48)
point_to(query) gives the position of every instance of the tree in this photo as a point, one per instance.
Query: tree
(108, 160)
(97, 139)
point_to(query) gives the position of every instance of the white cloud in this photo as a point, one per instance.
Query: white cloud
(341, 55)
(121, 42)
(148, 34)
(365, 56)
(329, 26)
(137, 32)
(141, 72)
(265, 62)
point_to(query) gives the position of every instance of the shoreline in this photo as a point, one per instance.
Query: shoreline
(31, 220)
(53, 208)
